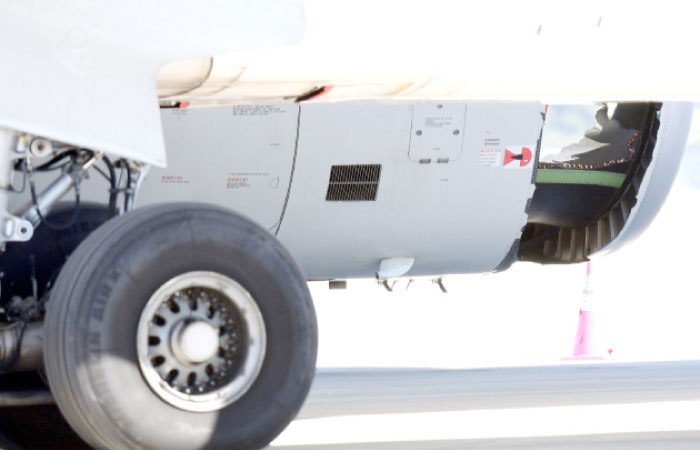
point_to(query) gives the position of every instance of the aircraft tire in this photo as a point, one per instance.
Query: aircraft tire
(179, 271)
(44, 254)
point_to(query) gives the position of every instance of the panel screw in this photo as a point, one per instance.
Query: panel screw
(418, 132)
(455, 132)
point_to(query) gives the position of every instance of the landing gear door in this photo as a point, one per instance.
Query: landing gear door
(437, 132)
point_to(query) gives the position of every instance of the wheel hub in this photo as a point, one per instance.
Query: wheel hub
(201, 341)
(194, 342)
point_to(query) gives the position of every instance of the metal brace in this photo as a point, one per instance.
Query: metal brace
(15, 228)
(12, 228)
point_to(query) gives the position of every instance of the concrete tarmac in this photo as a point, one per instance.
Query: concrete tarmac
(574, 407)
(613, 405)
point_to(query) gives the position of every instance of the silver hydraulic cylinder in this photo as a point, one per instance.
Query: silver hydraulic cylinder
(21, 347)
(54, 192)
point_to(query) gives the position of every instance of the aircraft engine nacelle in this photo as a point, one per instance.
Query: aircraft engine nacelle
(443, 187)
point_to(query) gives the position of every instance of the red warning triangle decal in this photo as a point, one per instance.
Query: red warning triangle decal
(524, 156)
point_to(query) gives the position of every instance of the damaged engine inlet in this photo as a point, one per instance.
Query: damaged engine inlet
(585, 194)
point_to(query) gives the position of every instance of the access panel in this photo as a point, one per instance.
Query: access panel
(239, 157)
(454, 204)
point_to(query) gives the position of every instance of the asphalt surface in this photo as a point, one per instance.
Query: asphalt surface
(359, 399)
(682, 440)
(355, 398)
(386, 391)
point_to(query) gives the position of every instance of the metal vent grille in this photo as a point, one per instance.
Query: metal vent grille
(354, 183)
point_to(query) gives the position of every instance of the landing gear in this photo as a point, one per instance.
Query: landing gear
(177, 327)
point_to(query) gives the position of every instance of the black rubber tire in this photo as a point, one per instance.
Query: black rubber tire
(94, 308)
(50, 249)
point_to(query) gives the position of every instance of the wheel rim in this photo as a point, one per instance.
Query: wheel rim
(201, 341)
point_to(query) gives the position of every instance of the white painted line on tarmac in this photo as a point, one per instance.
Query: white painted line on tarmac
(494, 424)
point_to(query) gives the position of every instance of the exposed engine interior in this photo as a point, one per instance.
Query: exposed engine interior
(584, 194)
